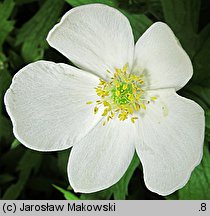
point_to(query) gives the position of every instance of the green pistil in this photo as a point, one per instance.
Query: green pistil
(123, 98)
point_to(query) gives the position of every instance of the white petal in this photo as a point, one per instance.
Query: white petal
(102, 157)
(160, 54)
(94, 37)
(171, 135)
(47, 105)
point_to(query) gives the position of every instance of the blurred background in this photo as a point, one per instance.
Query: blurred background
(24, 25)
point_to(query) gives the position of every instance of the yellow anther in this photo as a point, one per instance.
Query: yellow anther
(131, 97)
(89, 102)
(130, 110)
(153, 98)
(133, 119)
(136, 106)
(117, 93)
(125, 67)
(106, 104)
(112, 114)
(121, 96)
(105, 112)
(122, 116)
(125, 86)
(143, 106)
(117, 70)
(140, 81)
(95, 110)
(108, 118)
(116, 83)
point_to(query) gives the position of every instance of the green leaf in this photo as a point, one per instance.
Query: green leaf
(5, 178)
(29, 162)
(75, 3)
(6, 26)
(101, 195)
(201, 65)
(33, 34)
(173, 196)
(182, 16)
(67, 194)
(199, 94)
(6, 134)
(198, 187)
(120, 190)
(139, 22)
(207, 118)
(15, 143)
(5, 80)
(63, 157)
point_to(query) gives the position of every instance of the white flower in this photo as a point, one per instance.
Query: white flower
(51, 105)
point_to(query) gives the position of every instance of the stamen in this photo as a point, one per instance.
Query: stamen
(122, 96)
(89, 102)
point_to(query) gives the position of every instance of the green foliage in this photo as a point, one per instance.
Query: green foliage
(29, 162)
(5, 80)
(67, 194)
(198, 186)
(24, 25)
(32, 35)
(5, 124)
(6, 25)
(15, 143)
(182, 17)
(201, 63)
(75, 3)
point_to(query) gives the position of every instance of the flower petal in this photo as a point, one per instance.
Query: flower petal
(171, 135)
(163, 59)
(94, 37)
(47, 105)
(102, 157)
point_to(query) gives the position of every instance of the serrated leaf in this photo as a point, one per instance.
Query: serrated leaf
(198, 187)
(29, 162)
(6, 25)
(33, 34)
(67, 194)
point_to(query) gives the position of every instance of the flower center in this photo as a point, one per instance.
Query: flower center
(122, 96)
